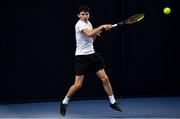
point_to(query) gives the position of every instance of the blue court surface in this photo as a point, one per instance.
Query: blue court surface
(155, 107)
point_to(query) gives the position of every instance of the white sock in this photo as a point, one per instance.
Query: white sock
(65, 101)
(112, 99)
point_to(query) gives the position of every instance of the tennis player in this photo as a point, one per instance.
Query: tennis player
(86, 58)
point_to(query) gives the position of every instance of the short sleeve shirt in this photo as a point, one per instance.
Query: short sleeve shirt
(84, 44)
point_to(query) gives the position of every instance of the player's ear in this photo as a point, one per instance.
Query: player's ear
(78, 15)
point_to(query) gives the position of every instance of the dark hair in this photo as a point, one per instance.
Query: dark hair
(83, 8)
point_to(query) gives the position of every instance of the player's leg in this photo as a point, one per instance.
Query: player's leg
(108, 89)
(105, 80)
(72, 90)
(76, 86)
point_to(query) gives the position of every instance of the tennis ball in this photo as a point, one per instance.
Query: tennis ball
(167, 10)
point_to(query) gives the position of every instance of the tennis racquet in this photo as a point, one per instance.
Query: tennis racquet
(133, 19)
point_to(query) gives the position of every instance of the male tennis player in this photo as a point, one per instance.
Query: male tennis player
(86, 58)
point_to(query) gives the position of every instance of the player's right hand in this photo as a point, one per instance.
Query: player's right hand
(108, 26)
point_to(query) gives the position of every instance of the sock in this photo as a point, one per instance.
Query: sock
(112, 99)
(65, 101)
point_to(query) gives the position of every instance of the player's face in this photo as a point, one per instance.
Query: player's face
(84, 16)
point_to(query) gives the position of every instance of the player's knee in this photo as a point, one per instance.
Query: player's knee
(105, 79)
(78, 85)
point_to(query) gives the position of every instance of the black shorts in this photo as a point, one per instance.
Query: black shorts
(93, 62)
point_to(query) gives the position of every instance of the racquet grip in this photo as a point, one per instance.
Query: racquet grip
(114, 25)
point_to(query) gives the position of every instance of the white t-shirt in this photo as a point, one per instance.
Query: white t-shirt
(84, 44)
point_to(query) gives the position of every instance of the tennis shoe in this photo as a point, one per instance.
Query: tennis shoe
(115, 107)
(62, 109)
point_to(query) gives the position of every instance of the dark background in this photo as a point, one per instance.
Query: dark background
(37, 45)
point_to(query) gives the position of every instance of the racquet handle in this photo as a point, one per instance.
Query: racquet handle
(114, 25)
(120, 23)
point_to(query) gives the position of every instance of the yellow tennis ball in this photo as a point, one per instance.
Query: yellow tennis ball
(167, 10)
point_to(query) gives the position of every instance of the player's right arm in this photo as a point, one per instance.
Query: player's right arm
(96, 31)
